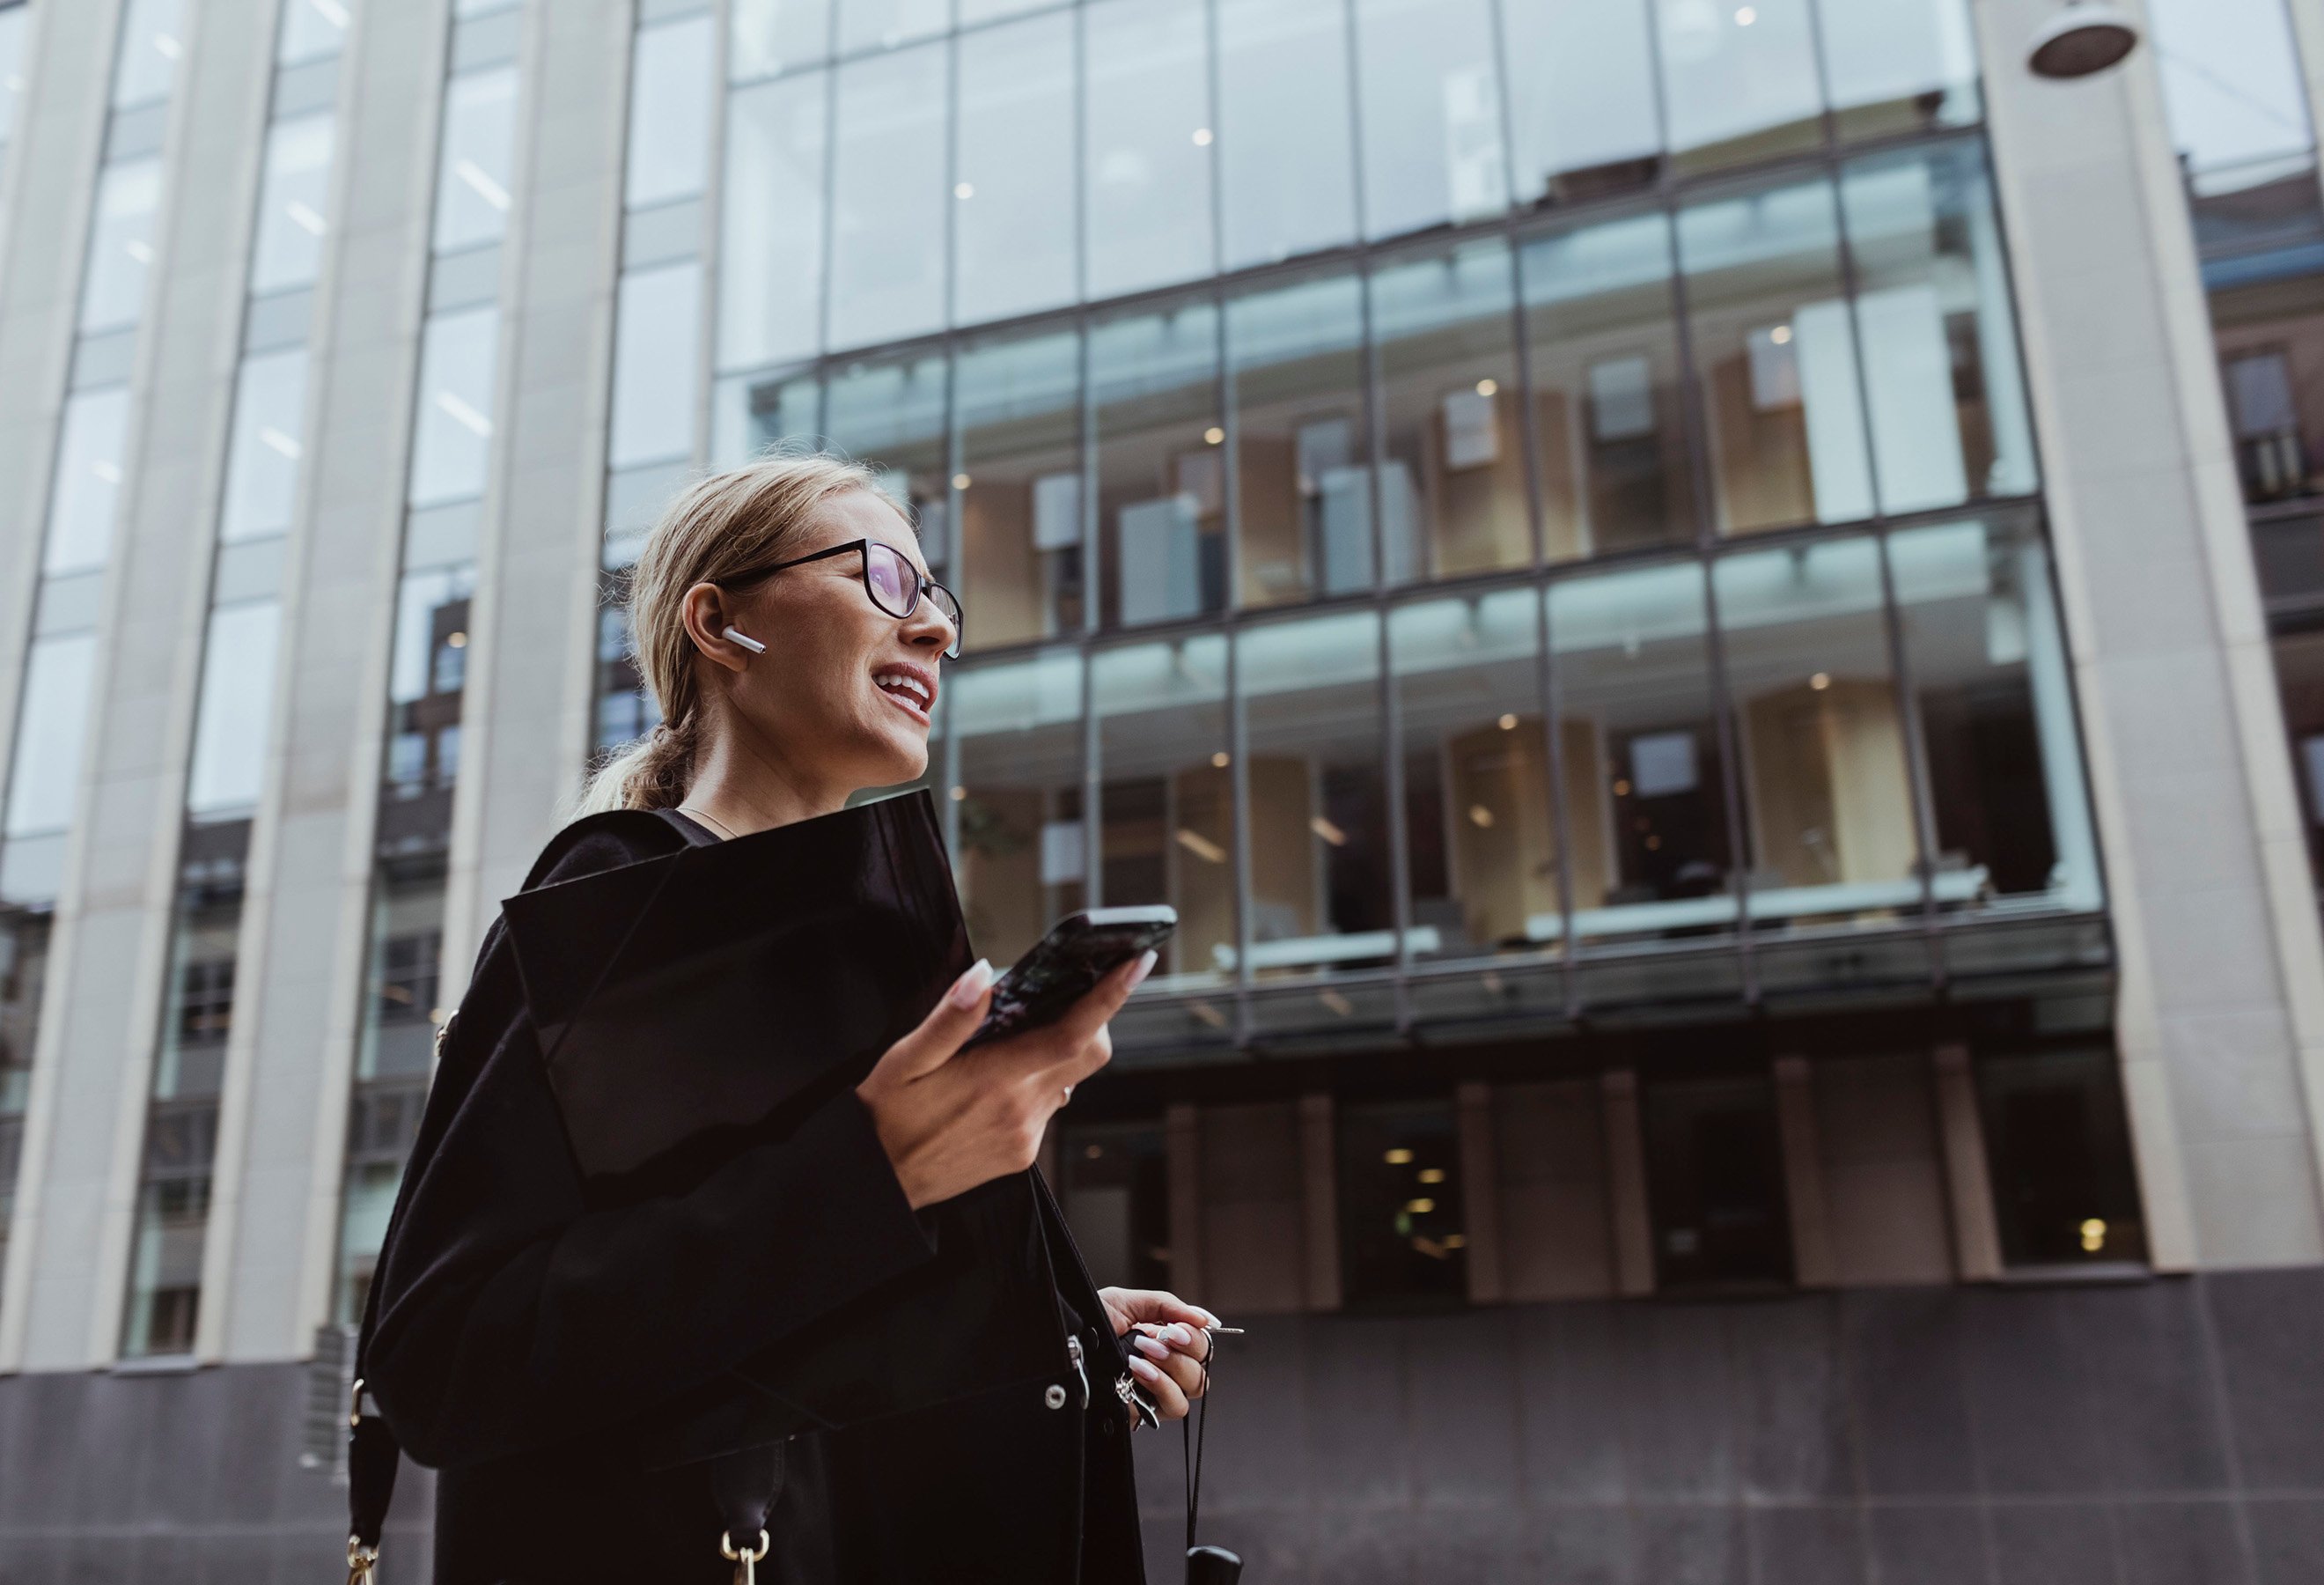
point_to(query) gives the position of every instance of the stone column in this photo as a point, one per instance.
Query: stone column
(1480, 1192)
(1813, 1264)
(1626, 1185)
(1968, 1180)
(1319, 1199)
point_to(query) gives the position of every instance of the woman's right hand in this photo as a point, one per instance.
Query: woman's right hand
(951, 1120)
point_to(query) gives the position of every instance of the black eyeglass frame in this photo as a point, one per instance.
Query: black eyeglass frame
(921, 584)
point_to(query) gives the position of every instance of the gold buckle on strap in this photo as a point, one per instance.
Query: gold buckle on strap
(746, 1563)
(361, 1560)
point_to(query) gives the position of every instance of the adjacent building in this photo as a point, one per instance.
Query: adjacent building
(1707, 611)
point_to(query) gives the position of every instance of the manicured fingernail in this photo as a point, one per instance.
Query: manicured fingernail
(1144, 967)
(969, 986)
(1145, 1372)
(1148, 1346)
(1180, 1334)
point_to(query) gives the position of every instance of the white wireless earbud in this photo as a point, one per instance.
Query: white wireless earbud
(734, 635)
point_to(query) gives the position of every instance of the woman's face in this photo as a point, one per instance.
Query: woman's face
(844, 690)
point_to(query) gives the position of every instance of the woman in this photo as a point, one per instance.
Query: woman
(571, 1367)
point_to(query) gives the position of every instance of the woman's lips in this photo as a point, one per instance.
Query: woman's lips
(909, 688)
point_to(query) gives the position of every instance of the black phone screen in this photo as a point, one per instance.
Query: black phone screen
(1065, 964)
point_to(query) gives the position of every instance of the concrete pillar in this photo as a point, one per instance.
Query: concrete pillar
(1319, 1199)
(1813, 1264)
(1969, 1181)
(1182, 1144)
(1480, 1192)
(1625, 1183)
(2220, 1009)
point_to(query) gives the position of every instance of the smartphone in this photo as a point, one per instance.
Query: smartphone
(1066, 964)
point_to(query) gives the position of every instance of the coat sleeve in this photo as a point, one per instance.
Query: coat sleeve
(509, 1315)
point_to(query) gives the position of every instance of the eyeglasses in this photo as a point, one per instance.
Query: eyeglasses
(892, 582)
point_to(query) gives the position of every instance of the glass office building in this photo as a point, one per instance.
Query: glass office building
(1648, 577)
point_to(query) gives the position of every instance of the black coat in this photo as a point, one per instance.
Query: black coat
(567, 1365)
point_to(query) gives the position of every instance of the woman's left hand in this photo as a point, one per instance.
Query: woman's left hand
(1163, 1338)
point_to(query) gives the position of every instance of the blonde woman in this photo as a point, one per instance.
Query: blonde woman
(604, 1389)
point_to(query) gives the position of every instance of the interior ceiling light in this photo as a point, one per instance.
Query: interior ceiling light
(2086, 37)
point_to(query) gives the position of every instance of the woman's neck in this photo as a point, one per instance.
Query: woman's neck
(742, 790)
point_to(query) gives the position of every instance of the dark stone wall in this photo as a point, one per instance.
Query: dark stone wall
(2168, 1432)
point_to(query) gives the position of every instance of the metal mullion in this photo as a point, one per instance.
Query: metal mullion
(1561, 812)
(1916, 757)
(712, 238)
(1398, 840)
(952, 183)
(1239, 785)
(1368, 353)
(829, 199)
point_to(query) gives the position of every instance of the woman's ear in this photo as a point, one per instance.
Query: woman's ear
(709, 618)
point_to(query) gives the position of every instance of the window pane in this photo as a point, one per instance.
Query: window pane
(1020, 489)
(1288, 177)
(120, 245)
(1645, 776)
(891, 417)
(262, 470)
(776, 36)
(153, 43)
(881, 24)
(1161, 465)
(1168, 829)
(51, 726)
(770, 286)
(1431, 110)
(1453, 482)
(669, 112)
(887, 264)
(1301, 486)
(426, 674)
(1949, 417)
(656, 370)
(1582, 105)
(453, 439)
(1715, 1182)
(471, 184)
(88, 481)
(1899, 66)
(1318, 795)
(173, 1206)
(236, 707)
(1013, 193)
(1828, 803)
(1777, 354)
(1116, 1194)
(1739, 82)
(1150, 137)
(1479, 834)
(1608, 388)
(2064, 1188)
(1020, 855)
(391, 1069)
(1991, 688)
(1400, 1210)
(289, 250)
(12, 68)
(311, 29)
(751, 415)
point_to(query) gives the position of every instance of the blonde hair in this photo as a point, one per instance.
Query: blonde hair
(717, 527)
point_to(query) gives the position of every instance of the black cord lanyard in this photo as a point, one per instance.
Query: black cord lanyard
(1190, 1446)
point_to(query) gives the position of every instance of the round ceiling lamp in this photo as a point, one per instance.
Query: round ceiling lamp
(2086, 37)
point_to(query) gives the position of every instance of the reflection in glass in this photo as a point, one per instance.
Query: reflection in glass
(776, 36)
(426, 674)
(1167, 798)
(747, 416)
(1020, 850)
(12, 68)
(452, 436)
(882, 24)
(1019, 489)
(1480, 840)
(1775, 347)
(1115, 1192)
(1899, 66)
(770, 281)
(2065, 1189)
(1013, 203)
(472, 182)
(392, 1060)
(311, 29)
(1302, 491)
(51, 727)
(236, 711)
(1161, 465)
(120, 245)
(1454, 473)
(1431, 99)
(1401, 1218)
(261, 469)
(1287, 174)
(289, 249)
(656, 370)
(1827, 792)
(153, 43)
(1715, 1182)
(1610, 435)
(1645, 805)
(1582, 108)
(1995, 707)
(1739, 82)
(889, 198)
(88, 487)
(1320, 861)
(890, 416)
(1149, 157)
(24, 973)
(1947, 409)
(669, 112)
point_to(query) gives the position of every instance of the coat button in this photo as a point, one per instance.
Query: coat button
(1055, 1396)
